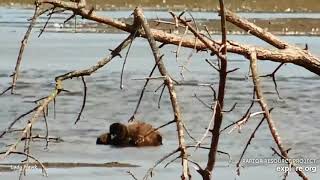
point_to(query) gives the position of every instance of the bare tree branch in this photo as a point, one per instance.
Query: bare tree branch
(221, 93)
(248, 143)
(23, 44)
(170, 85)
(264, 107)
(255, 30)
(291, 54)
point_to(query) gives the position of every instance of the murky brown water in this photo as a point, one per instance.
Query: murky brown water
(296, 116)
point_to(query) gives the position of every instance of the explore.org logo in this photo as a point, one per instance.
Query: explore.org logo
(299, 164)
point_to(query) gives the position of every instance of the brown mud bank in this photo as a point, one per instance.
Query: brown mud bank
(201, 5)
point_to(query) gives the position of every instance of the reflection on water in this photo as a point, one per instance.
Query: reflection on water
(296, 114)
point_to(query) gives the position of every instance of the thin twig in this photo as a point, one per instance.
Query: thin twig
(171, 161)
(209, 126)
(207, 30)
(233, 70)
(69, 18)
(156, 129)
(132, 175)
(245, 116)
(212, 65)
(198, 168)
(16, 120)
(144, 88)
(180, 43)
(4, 91)
(84, 99)
(40, 99)
(231, 109)
(184, 65)
(248, 143)
(54, 108)
(47, 131)
(45, 25)
(22, 47)
(243, 121)
(150, 170)
(273, 76)
(188, 132)
(125, 59)
(290, 164)
(202, 102)
(162, 90)
(214, 93)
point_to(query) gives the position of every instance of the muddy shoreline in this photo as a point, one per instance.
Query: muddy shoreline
(201, 5)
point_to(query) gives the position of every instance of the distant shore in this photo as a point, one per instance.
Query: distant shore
(279, 26)
(292, 27)
(201, 5)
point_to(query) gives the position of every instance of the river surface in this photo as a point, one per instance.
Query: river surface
(17, 17)
(296, 114)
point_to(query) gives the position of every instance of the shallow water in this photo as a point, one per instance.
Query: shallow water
(296, 115)
(17, 17)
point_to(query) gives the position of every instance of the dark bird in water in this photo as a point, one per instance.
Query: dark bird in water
(133, 134)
